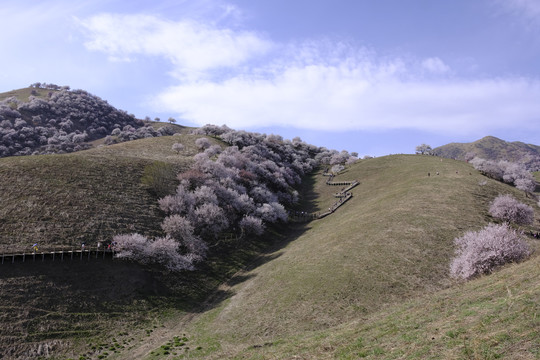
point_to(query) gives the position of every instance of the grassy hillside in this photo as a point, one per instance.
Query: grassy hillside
(24, 93)
(85, 308)
(494, 317)
(390, 243)
(85, 196)
(371, 279)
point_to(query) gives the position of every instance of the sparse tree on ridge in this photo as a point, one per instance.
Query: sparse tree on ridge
(424, 149)
(172, 120)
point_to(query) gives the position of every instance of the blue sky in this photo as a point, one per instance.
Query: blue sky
(375, 77)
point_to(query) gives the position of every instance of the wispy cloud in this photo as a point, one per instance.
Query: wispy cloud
(191, 46)
(529, 10)
(435, 65)
(245, 80)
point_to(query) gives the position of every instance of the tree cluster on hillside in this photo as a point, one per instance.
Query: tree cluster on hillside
(39, 85)
(236, 190)
(480, 252)
(64, 122)
(508, 209)
(509, 172)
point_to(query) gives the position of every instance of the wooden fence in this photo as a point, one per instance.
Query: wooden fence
(66, 254)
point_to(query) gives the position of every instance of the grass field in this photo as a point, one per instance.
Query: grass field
(391, 243)
(371, 280)
(494, 317)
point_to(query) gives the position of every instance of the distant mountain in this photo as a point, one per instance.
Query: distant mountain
(492, 148)
(45, 119)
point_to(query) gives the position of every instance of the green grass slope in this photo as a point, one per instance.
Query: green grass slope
(493, 317)
(392, 242)
(85, 196)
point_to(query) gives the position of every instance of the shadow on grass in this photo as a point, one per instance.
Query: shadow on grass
(114, 294)
(307, 196)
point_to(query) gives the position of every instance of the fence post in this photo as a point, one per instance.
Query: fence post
(62, 256)
(42, 256)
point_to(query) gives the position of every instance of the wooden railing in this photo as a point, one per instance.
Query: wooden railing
(58, 254)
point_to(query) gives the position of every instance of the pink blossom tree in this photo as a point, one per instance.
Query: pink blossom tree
(506, 208)
(483, 251)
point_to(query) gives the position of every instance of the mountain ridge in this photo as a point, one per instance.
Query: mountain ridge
(493, 148)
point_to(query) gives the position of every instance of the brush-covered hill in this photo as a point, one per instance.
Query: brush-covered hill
(492, 148)
(51, 119)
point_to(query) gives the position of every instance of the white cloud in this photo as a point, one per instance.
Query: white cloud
(357, 96)
(435, 65)
(191, 46)
(529, 8)
(244, 80)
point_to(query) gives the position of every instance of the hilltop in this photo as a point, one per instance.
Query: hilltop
(369, 280)
(492, 148)
(53, 119)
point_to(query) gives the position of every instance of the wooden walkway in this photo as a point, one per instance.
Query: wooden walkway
(65, 254)
(343, 196)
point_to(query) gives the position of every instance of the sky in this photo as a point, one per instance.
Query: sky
(374, 77)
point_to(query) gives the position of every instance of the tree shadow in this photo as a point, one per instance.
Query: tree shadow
(128, 293)
(307, 195)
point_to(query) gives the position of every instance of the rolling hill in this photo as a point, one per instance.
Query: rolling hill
(334, 287)
(492, 148)
(369, 280)
(52, 120)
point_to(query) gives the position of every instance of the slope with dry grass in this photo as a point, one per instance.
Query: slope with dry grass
(85, 196)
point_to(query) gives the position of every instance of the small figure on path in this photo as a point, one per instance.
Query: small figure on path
(34, 247)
